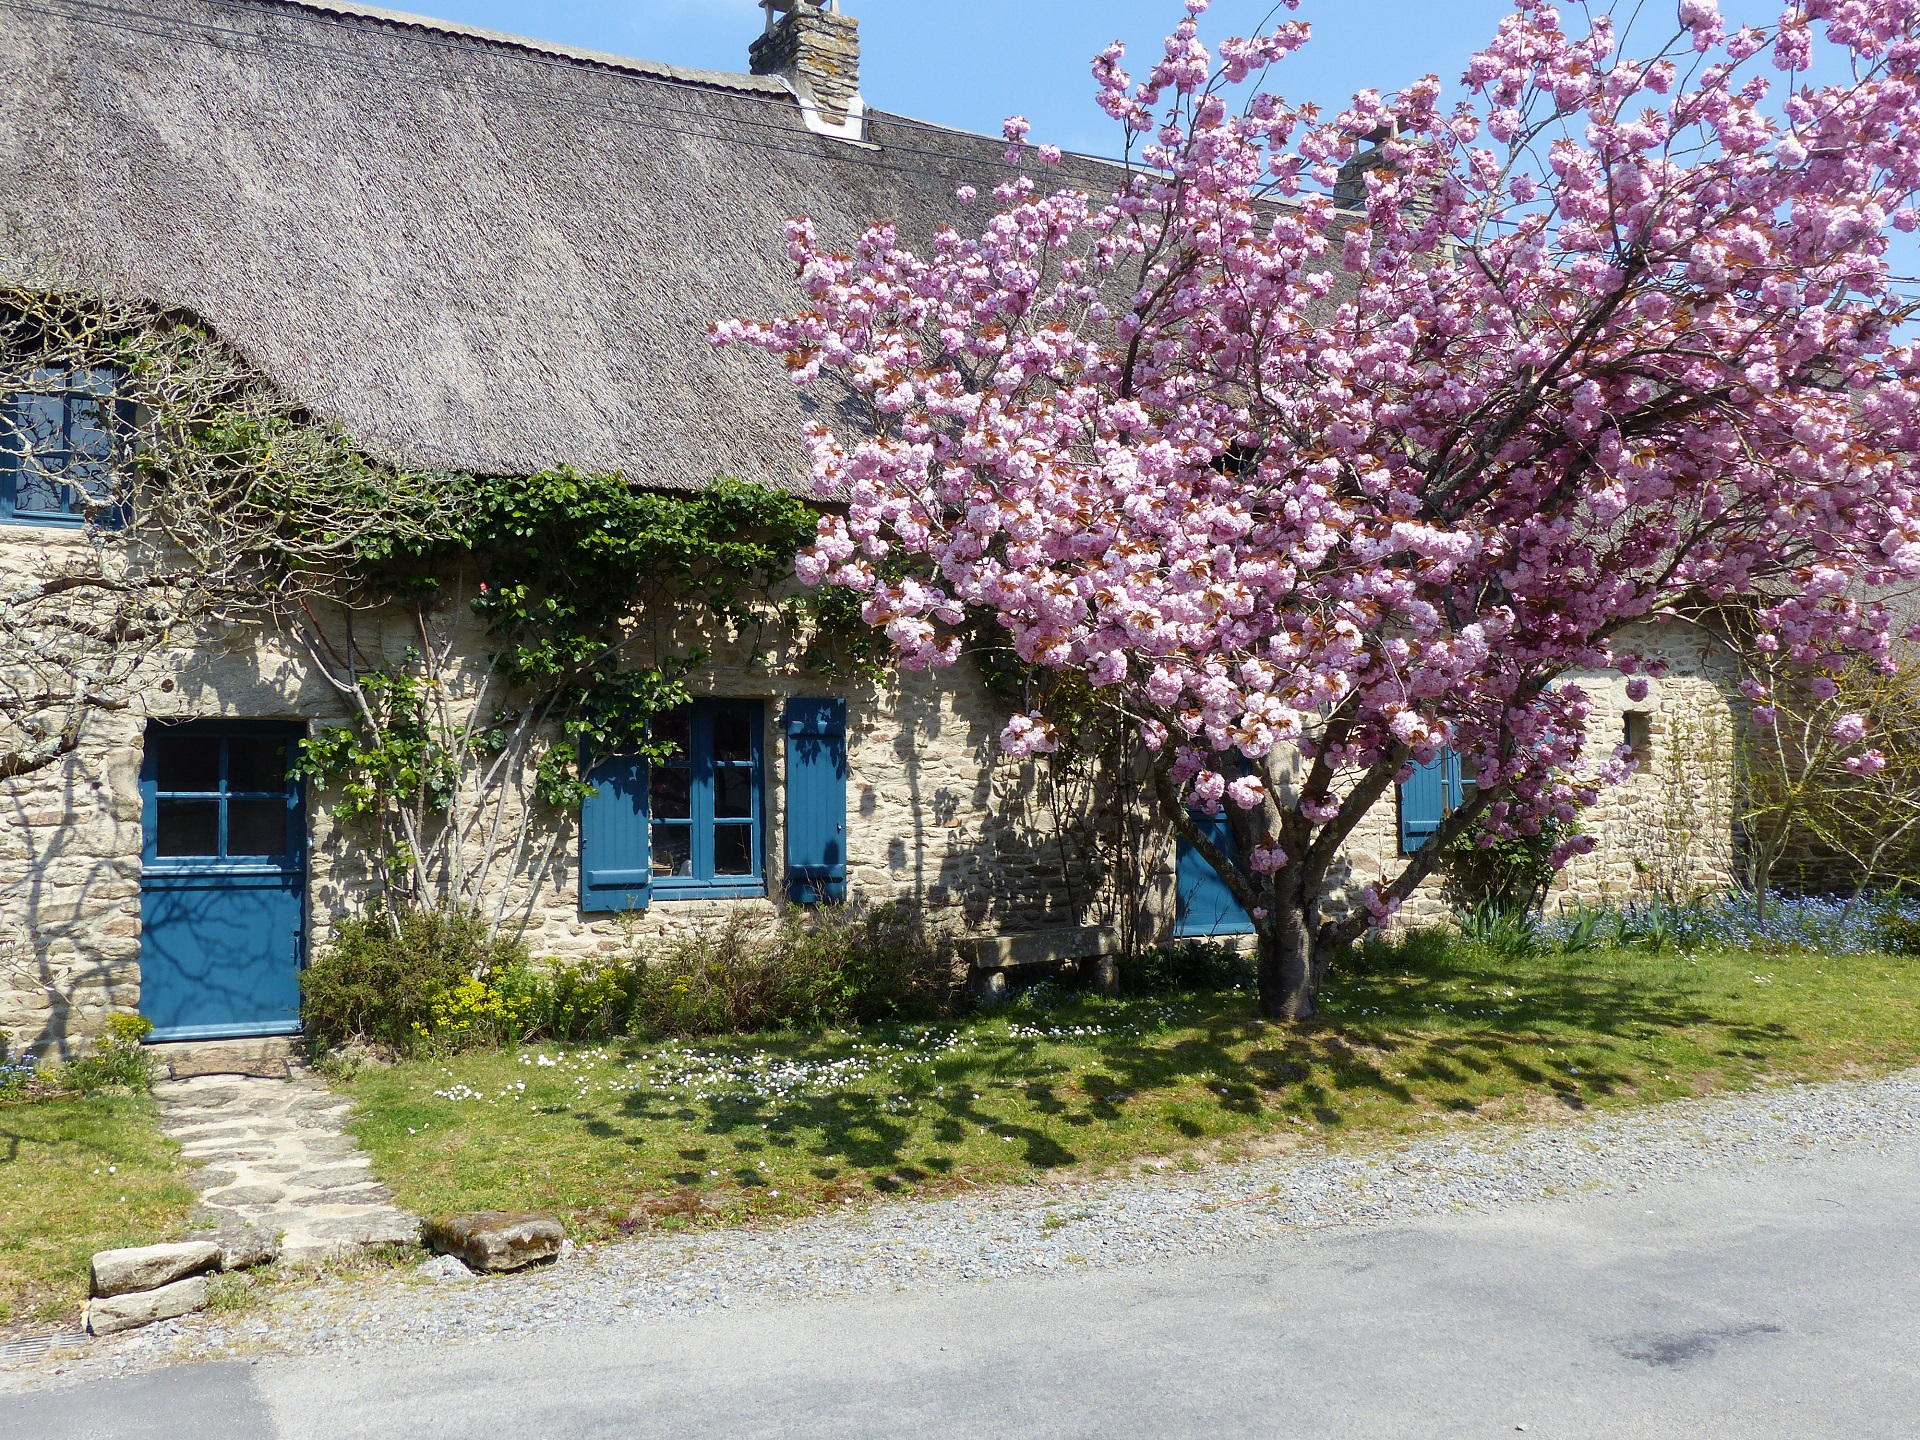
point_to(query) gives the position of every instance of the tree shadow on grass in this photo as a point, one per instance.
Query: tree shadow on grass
(1406, 1036)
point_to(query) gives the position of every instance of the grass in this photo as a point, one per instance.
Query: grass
(629, 1134)
(79, 1174)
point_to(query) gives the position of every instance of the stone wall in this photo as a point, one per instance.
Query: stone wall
(935, 816)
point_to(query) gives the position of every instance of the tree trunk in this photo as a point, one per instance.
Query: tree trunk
(1289, 979)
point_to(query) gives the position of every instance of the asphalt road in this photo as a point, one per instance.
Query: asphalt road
(1778, 1301)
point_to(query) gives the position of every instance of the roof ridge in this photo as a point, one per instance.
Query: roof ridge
(658, 69)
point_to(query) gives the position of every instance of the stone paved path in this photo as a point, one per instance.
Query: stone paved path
(276, 1160)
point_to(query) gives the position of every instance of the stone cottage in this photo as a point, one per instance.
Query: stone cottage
(481, 253)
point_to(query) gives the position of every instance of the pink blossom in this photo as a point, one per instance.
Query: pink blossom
(1867, 762)
(1637, 689)
(1267, 859)
(1026, 735)
(1849, 728)
(1249, 792)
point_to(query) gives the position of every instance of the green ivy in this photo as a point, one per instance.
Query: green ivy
(582, 582)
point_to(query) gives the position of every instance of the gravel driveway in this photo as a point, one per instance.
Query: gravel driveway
(1025, 1231)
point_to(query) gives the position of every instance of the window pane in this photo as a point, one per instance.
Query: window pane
(257, 827)
(37, 491)
(90, 426)
(42, 420)
(86, 480)
(675, 727)
(257, 765)
(672, 793)
(732, 735)
(188, 762)
(673, 850)
(733, 793)
(733, 849)
(188, 827)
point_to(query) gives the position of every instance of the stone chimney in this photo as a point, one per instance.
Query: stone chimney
(1350, 190)
(816, 50)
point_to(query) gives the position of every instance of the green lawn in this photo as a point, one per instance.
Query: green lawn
(77, 1175)
(631, 1133)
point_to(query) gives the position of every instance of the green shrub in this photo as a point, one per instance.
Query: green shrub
(1188, 967)
(399, 983)
(591, 1001)
(836, 966)
(118, 1059)
(1899, 933)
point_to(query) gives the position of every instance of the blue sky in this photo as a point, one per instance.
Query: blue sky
(972, 63)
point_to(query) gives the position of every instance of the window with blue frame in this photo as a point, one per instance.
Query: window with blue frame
(689, 827)
(56, 447)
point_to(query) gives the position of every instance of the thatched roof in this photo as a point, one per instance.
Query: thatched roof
(473, 252)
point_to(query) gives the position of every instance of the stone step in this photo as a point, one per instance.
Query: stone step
(271, 1057)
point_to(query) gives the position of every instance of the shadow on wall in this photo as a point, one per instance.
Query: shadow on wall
(981, 836)
(70, 908)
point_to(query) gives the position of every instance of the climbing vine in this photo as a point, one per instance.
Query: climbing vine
(598, 608)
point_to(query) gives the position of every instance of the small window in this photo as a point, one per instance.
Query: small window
(222, 797)
(1637, 734)
(701, 828)
(1433, 792)
(57, 447)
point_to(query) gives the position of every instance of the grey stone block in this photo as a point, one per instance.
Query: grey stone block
(111, 1314)
(496, 1239)
(149, 1267)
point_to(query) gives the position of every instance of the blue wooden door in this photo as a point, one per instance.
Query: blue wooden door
(1203, 903)
(223, 889)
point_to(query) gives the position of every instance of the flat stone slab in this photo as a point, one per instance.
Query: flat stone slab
(496, 1240)
(148, 1267)
(271, 1058)
(112, 1314)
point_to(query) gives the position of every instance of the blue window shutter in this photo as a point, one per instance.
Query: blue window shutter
(9, 455)
(816, 800)
(1423, 802)
(616, 863)
(1434, 792)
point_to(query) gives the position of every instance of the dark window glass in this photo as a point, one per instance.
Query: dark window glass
(90, 427)
(732, 736)
(1638, 734)
(189, 763)
(733, 794)
(675, 728)
(188, 827)
(257, 827)
(671, 793)
(257, 765)
(58, 442)
(673, 850)
(733, 849)
(42, 420)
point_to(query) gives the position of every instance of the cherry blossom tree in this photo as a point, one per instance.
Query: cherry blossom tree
(1319, 445)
